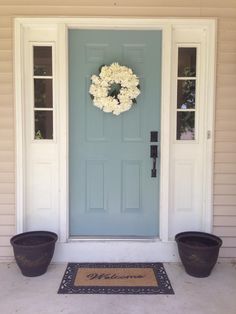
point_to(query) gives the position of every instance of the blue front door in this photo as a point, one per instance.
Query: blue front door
(111, 191)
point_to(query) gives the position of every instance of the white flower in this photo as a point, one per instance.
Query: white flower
(95, 79)
(101, 85)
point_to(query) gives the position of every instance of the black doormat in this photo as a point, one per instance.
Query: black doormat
(115, 278)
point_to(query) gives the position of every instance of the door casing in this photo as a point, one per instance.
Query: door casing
(60, 26)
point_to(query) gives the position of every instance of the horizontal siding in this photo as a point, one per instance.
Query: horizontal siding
(6, 252)
(220, 12)
(225, 47)
(5, 89)
(7, 177)
(225, 167)
(6, 166)
(228, 221)
(225, 189)
(7, 158)
(6, 155)
(7, 199)
(6, 21)
(226, 114)
(229, 242)
(225, 179)
(5, 101)
(106, 11)
(5, 241)
(222, 210)
(8, 143)
(7, 209)
(225, 136)
(6, 77)
(6, 44)
(7, 220)
(225, 80)
(225, 200)
(224, 231)
(228, 147)
(225, 139)
(228, 252)
(225, 126)
(6, 67)
(5, 32)
(7, 230)
(124, 3)
(225, 157)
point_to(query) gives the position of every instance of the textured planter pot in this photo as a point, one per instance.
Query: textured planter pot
(198, 252)
(34, 251)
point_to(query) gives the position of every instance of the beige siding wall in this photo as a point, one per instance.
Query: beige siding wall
(225, 137)
(7, 180)
(225, 131)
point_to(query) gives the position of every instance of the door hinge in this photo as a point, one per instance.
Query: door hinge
(208, 134)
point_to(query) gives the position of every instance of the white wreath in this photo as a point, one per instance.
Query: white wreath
(115, 89)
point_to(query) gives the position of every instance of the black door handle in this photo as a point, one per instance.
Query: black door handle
(153, 155)
(153, 151)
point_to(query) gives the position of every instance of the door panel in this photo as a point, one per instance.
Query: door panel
(112, 192)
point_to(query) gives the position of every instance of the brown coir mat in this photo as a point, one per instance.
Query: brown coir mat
(115, 278)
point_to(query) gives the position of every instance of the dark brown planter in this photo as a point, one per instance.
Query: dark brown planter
(34, 251)
(198, 252)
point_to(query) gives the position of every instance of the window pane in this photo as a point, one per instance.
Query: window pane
(185, 125)
(186, 94)
(42, 60)
(187, 62)
(43, 93)
(43, 125)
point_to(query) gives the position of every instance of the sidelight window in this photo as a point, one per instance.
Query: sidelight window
(43, 92)
(186, 93)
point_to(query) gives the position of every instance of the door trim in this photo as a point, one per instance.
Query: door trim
(61, 25)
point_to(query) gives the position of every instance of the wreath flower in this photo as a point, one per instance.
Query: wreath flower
(115, 89)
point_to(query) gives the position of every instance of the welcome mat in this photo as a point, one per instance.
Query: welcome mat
(115, 278)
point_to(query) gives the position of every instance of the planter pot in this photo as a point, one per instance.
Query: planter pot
(198, 252)
(34, 251)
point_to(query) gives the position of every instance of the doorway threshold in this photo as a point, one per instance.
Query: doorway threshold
(111, 239)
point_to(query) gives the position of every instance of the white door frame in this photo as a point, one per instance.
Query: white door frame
(130, 24)
(61, 25)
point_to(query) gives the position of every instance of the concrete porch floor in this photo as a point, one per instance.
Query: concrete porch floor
(213, 295)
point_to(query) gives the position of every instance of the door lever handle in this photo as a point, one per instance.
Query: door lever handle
(153, 155)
